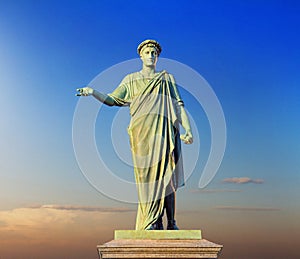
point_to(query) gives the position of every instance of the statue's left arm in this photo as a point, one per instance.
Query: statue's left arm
(183, 118)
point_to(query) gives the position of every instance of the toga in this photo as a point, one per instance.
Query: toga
(154, 140)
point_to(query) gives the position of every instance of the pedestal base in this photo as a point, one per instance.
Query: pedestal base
(159, 244)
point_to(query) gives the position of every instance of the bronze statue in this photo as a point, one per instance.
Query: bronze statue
(156, 110)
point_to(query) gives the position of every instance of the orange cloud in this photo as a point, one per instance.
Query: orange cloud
(58, 229)
(242, 180)
(28, 217)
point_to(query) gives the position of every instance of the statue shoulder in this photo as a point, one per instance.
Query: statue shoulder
(169, 76)
(134, 75)
(130, 77)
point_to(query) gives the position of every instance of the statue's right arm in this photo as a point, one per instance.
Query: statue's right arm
(104, 98)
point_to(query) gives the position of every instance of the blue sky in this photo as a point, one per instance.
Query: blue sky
(249, 53)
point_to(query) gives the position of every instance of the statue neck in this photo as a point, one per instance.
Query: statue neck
(148, 71)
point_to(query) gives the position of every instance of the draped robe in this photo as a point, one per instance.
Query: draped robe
(154, 139)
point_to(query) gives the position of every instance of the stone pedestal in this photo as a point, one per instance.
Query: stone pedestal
(159, 244)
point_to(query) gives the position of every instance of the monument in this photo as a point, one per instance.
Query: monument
(157, 111)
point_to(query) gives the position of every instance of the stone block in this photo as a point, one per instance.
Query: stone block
(159, 244)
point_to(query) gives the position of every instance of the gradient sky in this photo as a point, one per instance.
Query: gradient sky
(249, 53)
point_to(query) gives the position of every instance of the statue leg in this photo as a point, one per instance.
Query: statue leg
(158, 225)
(170, 210)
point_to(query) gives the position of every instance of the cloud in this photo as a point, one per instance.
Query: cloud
(83, 208)
(55, 229)
(29, 217)
(213, 190)
(42, 223)
(25, 224)
(242, 180)
(238, 208)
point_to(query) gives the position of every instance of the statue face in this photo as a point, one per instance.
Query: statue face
(149, 56)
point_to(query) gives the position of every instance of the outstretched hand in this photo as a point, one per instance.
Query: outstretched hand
(85, 91)
(187, 138)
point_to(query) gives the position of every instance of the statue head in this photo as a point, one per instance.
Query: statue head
(149, 43)
(149, 51)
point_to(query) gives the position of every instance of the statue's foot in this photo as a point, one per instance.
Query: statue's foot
(172, 225)
(158, 225)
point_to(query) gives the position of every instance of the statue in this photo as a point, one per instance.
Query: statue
(156, 110)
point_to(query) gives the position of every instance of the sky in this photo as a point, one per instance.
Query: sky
(247, 51)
